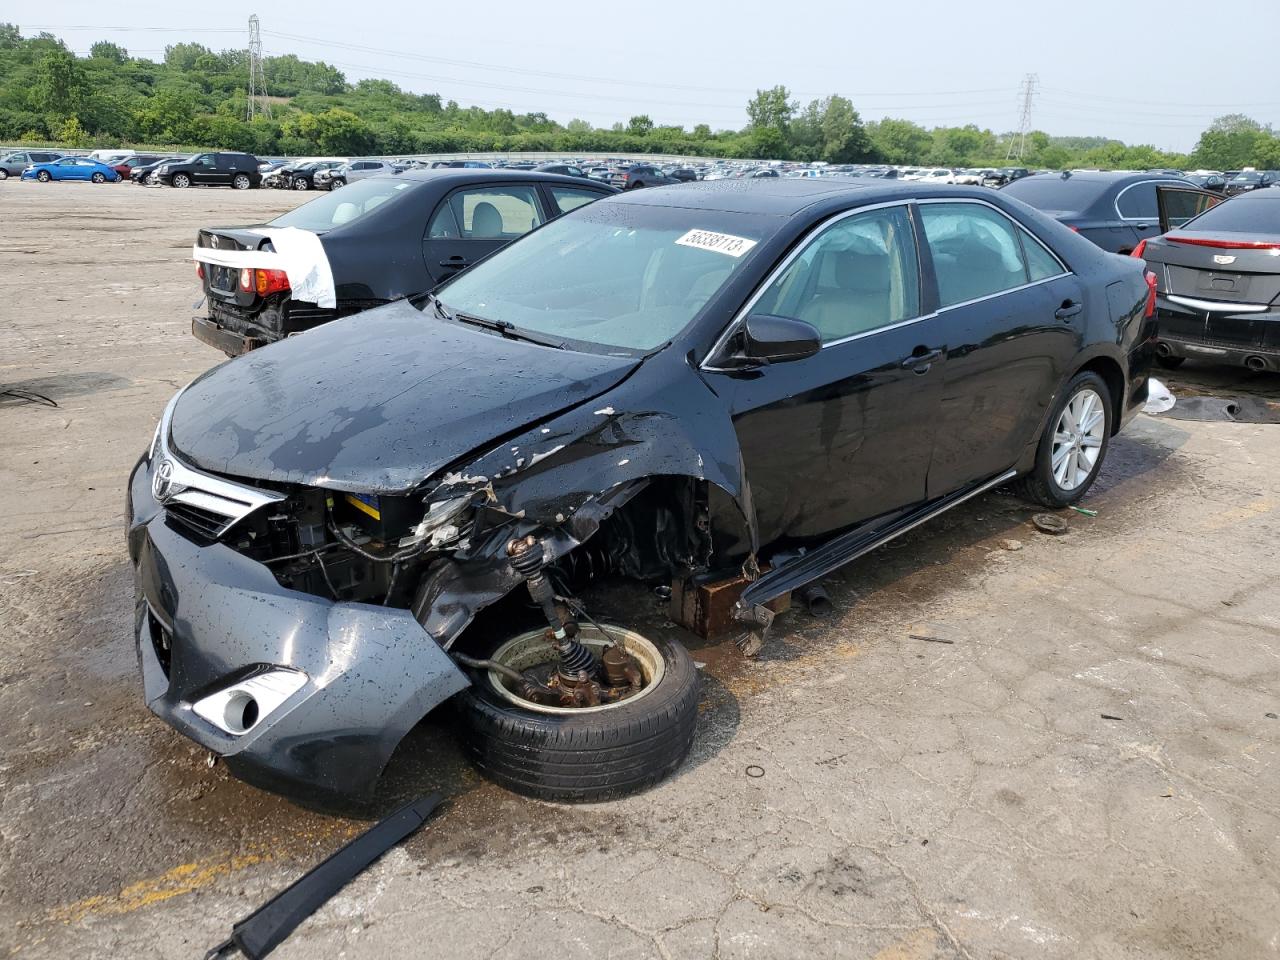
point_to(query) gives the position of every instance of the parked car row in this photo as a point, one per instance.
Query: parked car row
(544, 380)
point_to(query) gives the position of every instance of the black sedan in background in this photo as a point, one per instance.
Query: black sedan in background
(564, 169)
(144, 172)
(1247, 180)
(380, 239)
(1114, 210)
(697, 379)
(1218, 284)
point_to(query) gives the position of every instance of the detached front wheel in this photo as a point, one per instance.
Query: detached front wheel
(581, 753)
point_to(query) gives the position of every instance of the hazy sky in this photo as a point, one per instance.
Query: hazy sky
(1141, 72)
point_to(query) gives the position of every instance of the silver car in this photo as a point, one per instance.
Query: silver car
(351, 172)
(12, 164)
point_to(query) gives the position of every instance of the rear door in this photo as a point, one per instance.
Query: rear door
(472, 222)
(1013, 317)
(1177, 204)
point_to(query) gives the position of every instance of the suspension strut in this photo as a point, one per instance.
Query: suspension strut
(527, 556)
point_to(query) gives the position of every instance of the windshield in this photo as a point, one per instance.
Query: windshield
(617, 275)
(1245, 177)
(1255, 213)
(346, 206)
(1053, 192)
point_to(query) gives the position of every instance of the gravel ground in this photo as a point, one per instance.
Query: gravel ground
(1082, 762)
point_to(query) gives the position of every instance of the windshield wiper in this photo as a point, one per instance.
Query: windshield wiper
(507, 329)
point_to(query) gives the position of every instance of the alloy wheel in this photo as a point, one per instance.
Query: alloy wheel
(1077, 439)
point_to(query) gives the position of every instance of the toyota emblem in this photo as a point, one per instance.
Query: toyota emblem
(162, 480)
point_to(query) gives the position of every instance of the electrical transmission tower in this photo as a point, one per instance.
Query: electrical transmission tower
(257, 102)
(1027, 93)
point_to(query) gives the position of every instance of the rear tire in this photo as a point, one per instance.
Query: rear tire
(301, 183)
(99, 178)
(1046, 483)
(584, 755)
(1170, 362)
(241, 181)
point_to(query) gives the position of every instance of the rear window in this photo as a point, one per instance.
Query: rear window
(346, 205)
(1070, 195)
(1256, 213)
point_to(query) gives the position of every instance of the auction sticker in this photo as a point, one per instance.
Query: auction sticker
(719, 242)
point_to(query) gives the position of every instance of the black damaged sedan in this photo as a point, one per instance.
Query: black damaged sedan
(675, 386)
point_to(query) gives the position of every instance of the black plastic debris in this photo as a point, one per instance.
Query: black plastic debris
(1233, 409)
(267, 927)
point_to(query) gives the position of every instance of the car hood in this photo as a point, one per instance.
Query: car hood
(377, 402)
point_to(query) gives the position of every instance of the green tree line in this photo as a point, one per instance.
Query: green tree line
(196, 97)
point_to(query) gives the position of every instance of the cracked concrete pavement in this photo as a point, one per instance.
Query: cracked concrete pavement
(1088, 768)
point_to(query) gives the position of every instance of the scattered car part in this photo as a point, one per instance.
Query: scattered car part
(578, 750)
(267, 927)
(1050, 524)
(815, 599)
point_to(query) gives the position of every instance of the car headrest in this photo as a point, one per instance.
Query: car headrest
(860, 271)
(486, 221)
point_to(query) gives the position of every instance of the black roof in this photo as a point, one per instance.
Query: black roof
(1108, 177)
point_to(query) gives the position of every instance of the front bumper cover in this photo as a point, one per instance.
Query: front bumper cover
(208, 616)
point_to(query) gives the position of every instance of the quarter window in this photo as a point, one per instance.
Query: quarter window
(568, 198)
(1041, 264)
(489, 213)
(858, 275)
(976, 251)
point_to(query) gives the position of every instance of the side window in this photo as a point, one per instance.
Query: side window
(570, 198)
(205, 160)
(1138, 202)
(573, 172)
(487, 213)
(976, 251)
(858, 275)
(1041, 264)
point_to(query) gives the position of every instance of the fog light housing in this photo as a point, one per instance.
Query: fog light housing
(239, 708)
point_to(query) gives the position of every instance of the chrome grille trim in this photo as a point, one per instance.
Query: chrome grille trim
(212, 496)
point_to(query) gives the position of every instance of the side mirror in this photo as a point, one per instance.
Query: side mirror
(766, 338)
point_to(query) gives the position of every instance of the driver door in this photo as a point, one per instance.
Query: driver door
(846, 434)
(203, 170)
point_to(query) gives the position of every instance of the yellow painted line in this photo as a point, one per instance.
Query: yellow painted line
(175, 882)
(1236, 515)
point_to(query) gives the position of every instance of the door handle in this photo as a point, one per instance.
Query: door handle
(1069, 309)
(455, 262)
(921, 359)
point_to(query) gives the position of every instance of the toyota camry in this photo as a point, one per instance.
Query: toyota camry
(678, 386)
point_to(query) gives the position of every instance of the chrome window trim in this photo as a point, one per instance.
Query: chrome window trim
(782, 267)
(813, 235)
(1173, 182)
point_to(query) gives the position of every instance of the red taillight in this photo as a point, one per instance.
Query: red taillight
(270, 281)
(1140, 249)
(246, 279)
(626, 176)
(200, 270)
(1151, 295)
(1225, 244)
